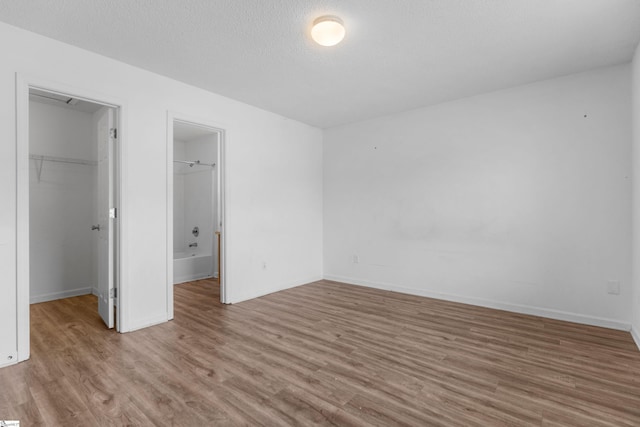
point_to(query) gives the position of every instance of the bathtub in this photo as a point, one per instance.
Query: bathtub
(188, 266)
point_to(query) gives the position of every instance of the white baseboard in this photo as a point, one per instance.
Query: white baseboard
(184, 279)
(59, 295)
(252, 295)
(635, 334)
(499, 305)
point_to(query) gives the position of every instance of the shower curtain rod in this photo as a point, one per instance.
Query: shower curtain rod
(193, 163)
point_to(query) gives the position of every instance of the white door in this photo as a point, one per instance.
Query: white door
(106, 215)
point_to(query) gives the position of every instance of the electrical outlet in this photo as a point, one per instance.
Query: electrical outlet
(356, 259)
(613, 287)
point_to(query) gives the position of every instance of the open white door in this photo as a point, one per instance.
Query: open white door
(106, 215)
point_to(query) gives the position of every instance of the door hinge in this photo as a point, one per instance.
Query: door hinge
(113, 132)
(113, 213)
(113, 293)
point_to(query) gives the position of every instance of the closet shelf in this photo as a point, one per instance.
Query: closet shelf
(43, 158)
(63, 160)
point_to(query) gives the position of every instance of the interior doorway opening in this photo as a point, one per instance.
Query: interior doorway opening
(195, 203)
(196, 213)
(72, 201)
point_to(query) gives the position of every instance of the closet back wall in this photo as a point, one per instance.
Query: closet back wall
(62, 203)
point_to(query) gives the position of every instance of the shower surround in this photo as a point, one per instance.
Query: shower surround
(194, 218)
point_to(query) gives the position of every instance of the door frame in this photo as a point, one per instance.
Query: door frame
(24, 82)
(221, 170)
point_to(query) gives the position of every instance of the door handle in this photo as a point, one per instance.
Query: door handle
(95, 227)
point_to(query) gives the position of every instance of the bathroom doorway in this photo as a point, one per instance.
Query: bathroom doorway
(195, 217)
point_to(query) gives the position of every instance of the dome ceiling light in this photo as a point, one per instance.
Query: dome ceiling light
(328, 30)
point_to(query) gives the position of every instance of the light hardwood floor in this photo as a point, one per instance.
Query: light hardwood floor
(324, 353)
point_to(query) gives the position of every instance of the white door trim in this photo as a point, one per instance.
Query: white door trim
(224, 136)
(23, 83)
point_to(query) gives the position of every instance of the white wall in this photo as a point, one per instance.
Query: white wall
(62, 208)
(512, 199)
(636, 196)
(273, 167)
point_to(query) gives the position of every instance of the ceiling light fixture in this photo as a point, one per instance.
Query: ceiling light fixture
(328, 30)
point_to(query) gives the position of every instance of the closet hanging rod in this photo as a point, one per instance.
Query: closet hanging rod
(193, 163)
(62, 160)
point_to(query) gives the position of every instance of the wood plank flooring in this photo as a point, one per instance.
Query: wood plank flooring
(324, 353)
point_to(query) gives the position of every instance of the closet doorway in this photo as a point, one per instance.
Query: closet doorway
(194, 228)
(72, 205)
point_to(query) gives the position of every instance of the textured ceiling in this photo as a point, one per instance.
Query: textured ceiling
(397, 55)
